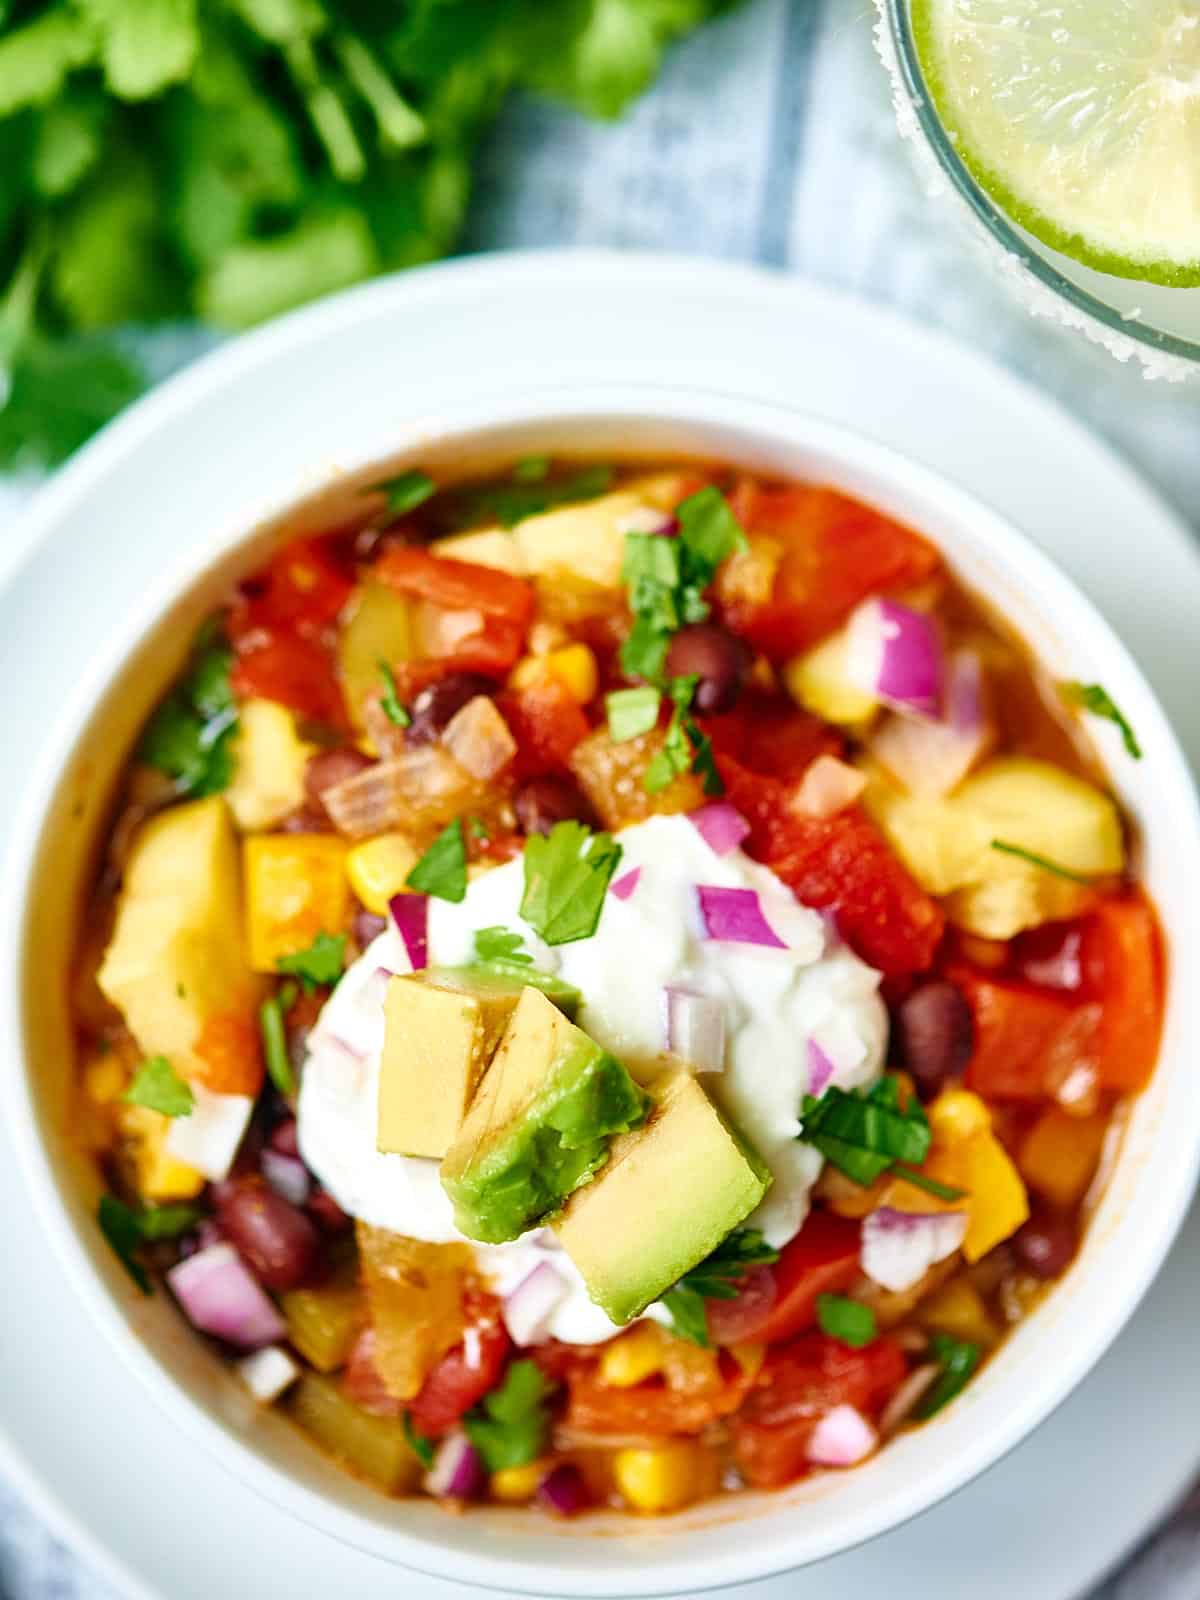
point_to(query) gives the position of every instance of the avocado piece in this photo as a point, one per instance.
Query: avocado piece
(539, 1126)
(441, 1028)
(672, 1190)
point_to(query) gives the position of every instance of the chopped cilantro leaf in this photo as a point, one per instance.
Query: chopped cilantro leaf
(390, 699)
(686, 747)
(511, 1426)
(420, 1446)
(320, 965)
(510, 503)
(532, 469)
(567, 873)
(715, 1278)
(631, 711)
(157, 1085)
(845, 1319)
(442, 870)
(274, 1037)
(921, 1180)
(1094, 697)
(167, 1222)
(708, 532)
(958, 1361)
(1036, 860)
(405, 492)
(501, 944)
(190, 735)
(119, 1225)
(862, 1133)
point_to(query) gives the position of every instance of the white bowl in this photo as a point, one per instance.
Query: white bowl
(66, 807)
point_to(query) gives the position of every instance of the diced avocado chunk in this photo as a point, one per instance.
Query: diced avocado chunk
(564, 995)
(441, 1029)
(670, 1193)
(540, 1124)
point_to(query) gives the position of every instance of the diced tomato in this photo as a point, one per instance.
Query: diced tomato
(821, 1259)
(779, 741)
(465, 1374)
(1050, 956)
(651, 1407)
(800, 1382)
(361, 1381)
(230, 1047)
(303, 588)
(1024, 1038)
(832, 553)
(1122, 966)
(287, 667)
(844, 865)
(547, 725)
(457, 585)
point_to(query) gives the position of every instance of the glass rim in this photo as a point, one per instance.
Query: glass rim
(992, 217)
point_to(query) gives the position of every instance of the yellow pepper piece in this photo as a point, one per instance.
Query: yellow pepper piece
(296, 888)
(957, 1308)
(378, 868)
(664, 1478)
(997, 1204)
(515, 1485)
(749, 1357)
(633, 1357)
(956, 1115)
(1060, 1155)
(574, 667)
(159, 1175)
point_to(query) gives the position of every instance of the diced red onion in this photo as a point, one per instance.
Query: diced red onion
(457, 1472)
(842, 1438)
(899, 1247)
(624, 886)
(820, 1068)
(720, 826)
(410, 914)
(287, 1175)
(479, 738)
(735, 916)
(908, 1397)
(386, 736)
(219, 1296)
(646, 519)
(829, 786)
(268, 1372)
(529, 1309)
(895, 654)
(931, 758)
(564, 1491)
(695, 1028)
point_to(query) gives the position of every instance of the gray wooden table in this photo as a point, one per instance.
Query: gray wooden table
(769, 138)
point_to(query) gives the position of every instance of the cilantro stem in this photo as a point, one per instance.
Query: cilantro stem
(1044, 862)
(274, 1037)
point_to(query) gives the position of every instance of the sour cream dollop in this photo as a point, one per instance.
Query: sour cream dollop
(775, 1002)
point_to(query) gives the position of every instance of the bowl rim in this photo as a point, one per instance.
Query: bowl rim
(701, 406)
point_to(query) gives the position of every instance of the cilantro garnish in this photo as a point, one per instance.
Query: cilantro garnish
(190, 736)
(127, 1229)
(532, 469)
(274, 1038)
(405, 492)
(478, 829)
(686, 747)
(157, 1085)
(420, 1446)
(864, 1133)
(958, 1361)
(510, 503)
(845, 1319)
(715, 1278)
(567, 873)
(631, 712)
(510, 1428)
(501, 944)
(442, 870)
(320, 965)
(1094, 697)
(1036, 860)
(390, 699)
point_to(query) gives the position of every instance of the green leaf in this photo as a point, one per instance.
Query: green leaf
(533, 469)
(260, 278)
(390, 699)
(442, 870)
(190, 736)
(862, 1132)
(1036, 860)
(958, 1361)
(68, 142)
(708, 532)
(145, 45)
(510, 503)
(567, 873)
(157, 1085)
(513, 1423)
(405, 492)
(689, 1319)
(501, 944)
(56, 393)
(37, 58)
(845, 1319)
(119, 1225)
(631, 712)
(717, 1277)
(420, 1446)
(321, 965)
(274, 1038)
(1094, 697)
(167, 1222)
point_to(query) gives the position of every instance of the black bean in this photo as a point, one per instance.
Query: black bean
(934, 1034)
(439, 702)
(1047, 1243)
(542, 802)
(717, 657)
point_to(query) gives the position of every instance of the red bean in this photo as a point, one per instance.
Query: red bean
(283, 1138)
(326, 1213)
(717, 657)
(329, 768)
(1047, 1243)
(934, 1034)
(276, 1238)
(542, 802)
(436, 704)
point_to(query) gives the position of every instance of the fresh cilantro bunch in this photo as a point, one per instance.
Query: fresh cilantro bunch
(229, 159)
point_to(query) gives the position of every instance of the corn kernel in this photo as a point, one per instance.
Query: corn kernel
(664, 1478)
(377, 869)
(515, 1485)
(957, 1115)
(104, 1078)
(957, 1308)
(633, 1357)
(575, 668)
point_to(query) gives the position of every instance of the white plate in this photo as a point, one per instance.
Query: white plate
(84, 1439)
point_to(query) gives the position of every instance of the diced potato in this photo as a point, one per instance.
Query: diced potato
(323, 1321)
(379, 868)
(295, 889)
(957, 1308)
(489, 547)
(1059, 1156)
(819, 682)
(414, 1292)
(611, 776)
(270, 756)
(664, 1478)
(374, 1446)
(160, 1176)
(177, 954)
(379, 629)
(940, 849)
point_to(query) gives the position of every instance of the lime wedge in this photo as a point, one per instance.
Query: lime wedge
(1081, 118)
